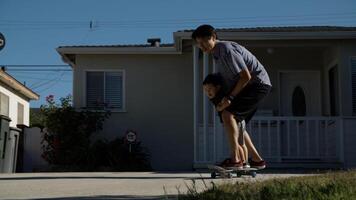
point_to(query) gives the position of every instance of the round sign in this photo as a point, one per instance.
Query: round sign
(131, 136)
(2, 41)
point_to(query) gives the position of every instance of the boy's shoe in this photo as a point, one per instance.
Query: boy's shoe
(224, 162)
(228, 164)
(246, 165)
(258, 165)
(235, 165)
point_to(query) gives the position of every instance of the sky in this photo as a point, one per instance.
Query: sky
(34, 29)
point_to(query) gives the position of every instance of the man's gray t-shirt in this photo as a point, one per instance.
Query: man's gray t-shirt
(231, 58)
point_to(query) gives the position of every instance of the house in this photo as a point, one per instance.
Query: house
(308, 120)
(14, 112)
(15, 100)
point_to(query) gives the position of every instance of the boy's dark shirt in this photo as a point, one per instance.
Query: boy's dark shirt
(217, 99)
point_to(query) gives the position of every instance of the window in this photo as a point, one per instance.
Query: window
(105, 90)
(20, 113)
(4, 104)
(353, 79)
(333, 91)
(298, 102)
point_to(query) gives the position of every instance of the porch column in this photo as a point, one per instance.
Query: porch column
(205, 107)
(195, 96)
(214, 122)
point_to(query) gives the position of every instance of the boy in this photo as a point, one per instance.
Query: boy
(213, 87)
(247, 84)
(215, 94)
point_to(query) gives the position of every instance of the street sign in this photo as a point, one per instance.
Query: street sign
(2, 41)
(131, 136)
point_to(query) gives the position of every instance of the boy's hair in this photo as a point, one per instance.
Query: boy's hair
(214, 79)
(204, 30)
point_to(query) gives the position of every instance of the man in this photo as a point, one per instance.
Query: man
(246, 81)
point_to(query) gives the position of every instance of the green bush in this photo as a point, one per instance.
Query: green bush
(115, 155)
(330, 186)
(67, 146)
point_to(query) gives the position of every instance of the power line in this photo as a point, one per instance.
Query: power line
(58, 80)
(46, 82)
(36, 68)
(172, 23)
(11, 22)
(32, 78)
(41, 65)
(39, 70)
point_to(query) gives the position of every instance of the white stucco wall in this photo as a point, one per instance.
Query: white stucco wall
(13, 100)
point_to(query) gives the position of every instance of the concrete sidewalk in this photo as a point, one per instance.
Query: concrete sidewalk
(109, 185)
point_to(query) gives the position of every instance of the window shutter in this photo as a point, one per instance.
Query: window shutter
(4, 104)
(20, 113)
(113, 89)
(353, 74)
(95, 89)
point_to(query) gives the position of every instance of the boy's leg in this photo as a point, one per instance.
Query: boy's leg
(242, 154)
(251, 148)
(231, 129)
(244, 147)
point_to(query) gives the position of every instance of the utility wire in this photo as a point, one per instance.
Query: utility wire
(53, 84)
(172, 23)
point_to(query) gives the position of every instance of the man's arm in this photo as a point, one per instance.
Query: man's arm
(245, 77)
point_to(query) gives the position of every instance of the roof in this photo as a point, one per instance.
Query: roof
(17, 86)
(119, 45)
(251, 30)
(283, 29)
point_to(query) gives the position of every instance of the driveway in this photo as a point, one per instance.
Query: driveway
(110, 185)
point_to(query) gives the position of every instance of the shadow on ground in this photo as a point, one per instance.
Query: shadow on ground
(110, 197)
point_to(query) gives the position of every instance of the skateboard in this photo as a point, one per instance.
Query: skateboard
(217, 171)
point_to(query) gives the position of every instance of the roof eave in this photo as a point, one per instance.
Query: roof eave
(13, 83)
(117, 50)
(278, 35)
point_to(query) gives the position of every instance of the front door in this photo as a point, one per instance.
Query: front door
(300, 93)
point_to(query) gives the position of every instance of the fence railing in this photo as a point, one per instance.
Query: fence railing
(278, 139)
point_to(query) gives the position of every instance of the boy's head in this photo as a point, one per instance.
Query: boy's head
(205, 36)
(212, 84)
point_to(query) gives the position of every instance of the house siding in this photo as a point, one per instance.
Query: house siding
(347, 50)
(159, 104)
(13, 100)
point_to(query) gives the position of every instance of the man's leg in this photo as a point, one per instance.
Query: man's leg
(232, 132)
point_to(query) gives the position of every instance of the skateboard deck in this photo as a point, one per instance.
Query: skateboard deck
(217, 171)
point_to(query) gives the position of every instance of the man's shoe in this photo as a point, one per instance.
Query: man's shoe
(258, 165)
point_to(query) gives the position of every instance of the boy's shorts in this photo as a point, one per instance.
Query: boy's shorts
(245, 104)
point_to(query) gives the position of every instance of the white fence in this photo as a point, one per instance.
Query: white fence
(278, 139)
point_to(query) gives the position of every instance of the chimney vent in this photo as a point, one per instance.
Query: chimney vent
(154, 42)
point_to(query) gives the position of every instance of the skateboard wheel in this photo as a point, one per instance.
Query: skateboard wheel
(253, 174)
(213, 174)
(229, 175)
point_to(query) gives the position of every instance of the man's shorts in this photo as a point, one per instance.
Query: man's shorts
(245, 104)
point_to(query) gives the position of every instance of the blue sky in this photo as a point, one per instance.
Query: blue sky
(33, 29)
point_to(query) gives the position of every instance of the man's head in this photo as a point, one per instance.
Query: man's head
(212, 84)
(205, 37)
